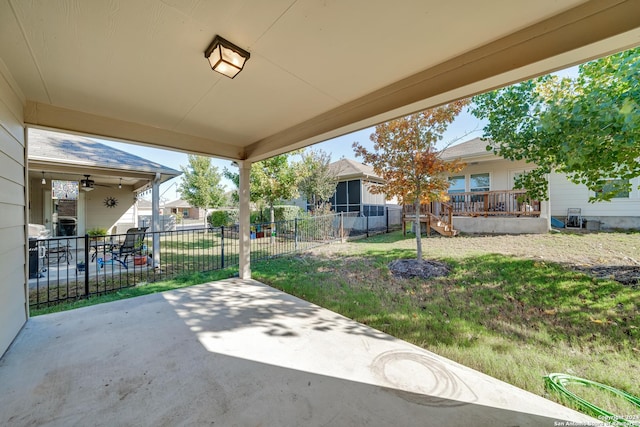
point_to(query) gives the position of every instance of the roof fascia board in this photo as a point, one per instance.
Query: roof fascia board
(480, 157)
(64, 167)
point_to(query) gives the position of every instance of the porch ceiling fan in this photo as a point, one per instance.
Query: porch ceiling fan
(87, 184)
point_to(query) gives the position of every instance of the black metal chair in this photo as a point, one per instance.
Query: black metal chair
(58, 250)
(132, 245)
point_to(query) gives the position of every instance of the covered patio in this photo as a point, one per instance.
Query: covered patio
(239, 353)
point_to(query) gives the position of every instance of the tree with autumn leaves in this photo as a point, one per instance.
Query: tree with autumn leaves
(405, 155)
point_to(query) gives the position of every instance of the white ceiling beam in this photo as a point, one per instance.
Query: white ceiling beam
(70, 121)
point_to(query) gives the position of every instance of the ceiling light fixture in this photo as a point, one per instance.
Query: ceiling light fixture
(44, 181)
(120, 185)
(225, 57)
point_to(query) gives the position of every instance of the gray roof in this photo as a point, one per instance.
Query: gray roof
(348, 168)
(76, 150)
(144, 204)
(178, 204)
(472, 148)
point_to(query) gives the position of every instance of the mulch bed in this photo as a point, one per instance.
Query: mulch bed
(425, 269)
(628, 275)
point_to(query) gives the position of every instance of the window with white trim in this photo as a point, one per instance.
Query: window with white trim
(618, 186)
(480, 182)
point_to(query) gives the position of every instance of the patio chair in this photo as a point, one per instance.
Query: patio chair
(58, 250)
(132, 245)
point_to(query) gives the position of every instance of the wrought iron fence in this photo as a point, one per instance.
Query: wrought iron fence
(70, 268)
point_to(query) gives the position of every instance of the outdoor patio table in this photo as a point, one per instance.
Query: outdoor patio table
(100, 246)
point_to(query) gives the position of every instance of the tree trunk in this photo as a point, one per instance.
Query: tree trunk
(418, 230)
(206, 224)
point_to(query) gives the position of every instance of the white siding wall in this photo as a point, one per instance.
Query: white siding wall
(369, 198)
(565, 194)
(13, 250)
(99, 215)
(499, 171)
(127, 220)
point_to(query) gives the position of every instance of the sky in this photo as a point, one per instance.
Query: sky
(463, 128)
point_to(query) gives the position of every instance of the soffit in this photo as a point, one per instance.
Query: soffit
(134, 69)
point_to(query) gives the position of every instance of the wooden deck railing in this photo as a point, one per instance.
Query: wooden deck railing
(493, 203)
(436, 215)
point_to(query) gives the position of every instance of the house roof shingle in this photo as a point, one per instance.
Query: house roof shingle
(76, 150)
(348, 168)
(179, 203)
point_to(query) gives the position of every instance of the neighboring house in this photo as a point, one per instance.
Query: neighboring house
(143, 211)
(144, 207)
(183, 208)
(76, 184)
(484, 199)
(353, 190)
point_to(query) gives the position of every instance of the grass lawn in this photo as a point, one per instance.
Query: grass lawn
(513, 318)
(513, 307)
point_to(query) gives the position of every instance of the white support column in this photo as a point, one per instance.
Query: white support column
(244, 232)
(155, 219)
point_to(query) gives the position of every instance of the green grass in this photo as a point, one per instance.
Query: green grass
(513, 318)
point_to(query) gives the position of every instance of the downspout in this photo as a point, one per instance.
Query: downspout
(155, 219)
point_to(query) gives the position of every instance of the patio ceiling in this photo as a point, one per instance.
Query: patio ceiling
(135, 69)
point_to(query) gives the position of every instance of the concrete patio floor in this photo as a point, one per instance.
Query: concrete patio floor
(239, 353)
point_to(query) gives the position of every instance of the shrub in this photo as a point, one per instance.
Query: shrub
(256, 217)
(226, 217)
(223, 218)
(281, 213)
(287, 212)
(97, 232)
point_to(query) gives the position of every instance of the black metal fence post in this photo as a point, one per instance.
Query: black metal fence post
(222, 246)
(295, 233)
(367, 225)
(86, 265)
(386, 220)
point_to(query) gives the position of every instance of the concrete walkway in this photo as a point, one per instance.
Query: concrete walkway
(239, 353)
